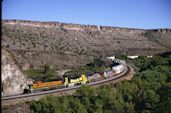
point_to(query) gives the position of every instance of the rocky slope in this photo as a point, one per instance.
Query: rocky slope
(13, 80)
(36, 43)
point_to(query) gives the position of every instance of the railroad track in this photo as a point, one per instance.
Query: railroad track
(9, 100)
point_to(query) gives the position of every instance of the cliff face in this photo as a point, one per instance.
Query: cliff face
(14, 81)
(35, 43)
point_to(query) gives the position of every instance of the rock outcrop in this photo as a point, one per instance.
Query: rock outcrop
(13, 80)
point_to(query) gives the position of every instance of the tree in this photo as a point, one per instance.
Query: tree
(165, 98)
(86, 91)
(47, 68)
(98, 62)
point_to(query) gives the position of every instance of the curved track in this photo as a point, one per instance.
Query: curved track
(23, 97)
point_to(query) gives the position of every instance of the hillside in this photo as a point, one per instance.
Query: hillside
(69, 45)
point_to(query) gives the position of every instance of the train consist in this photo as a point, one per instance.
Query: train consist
(39, 86)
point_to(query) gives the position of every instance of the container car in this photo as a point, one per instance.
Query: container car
(94, 77)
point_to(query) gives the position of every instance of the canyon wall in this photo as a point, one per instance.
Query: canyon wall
(70, 45)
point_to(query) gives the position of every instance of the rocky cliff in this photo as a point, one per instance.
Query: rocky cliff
(36, 43)
(13, 80)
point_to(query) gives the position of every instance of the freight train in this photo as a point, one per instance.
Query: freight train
(39, 86)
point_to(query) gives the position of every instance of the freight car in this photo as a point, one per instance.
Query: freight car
(94, 77)
(118, 69)
(115, 70)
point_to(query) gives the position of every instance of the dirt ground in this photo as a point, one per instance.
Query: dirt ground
(18, 108)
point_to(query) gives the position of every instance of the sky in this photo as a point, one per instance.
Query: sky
(142, 14)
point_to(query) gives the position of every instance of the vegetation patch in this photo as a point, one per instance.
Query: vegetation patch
(46, 74)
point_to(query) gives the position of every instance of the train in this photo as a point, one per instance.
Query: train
(39, 86)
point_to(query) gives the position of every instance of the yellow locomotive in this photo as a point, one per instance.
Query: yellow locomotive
(81, 80)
